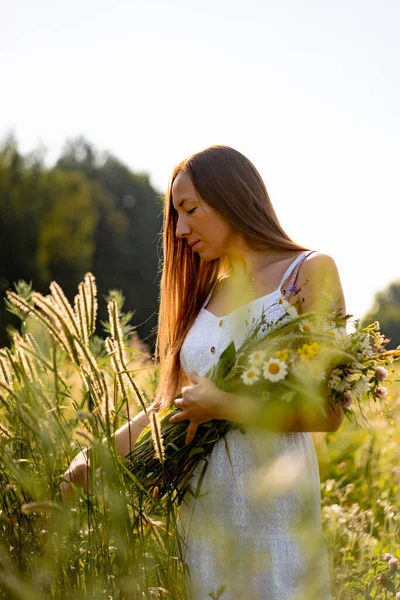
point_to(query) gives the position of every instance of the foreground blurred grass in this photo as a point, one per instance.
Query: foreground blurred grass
(105, 545)
(360, 488)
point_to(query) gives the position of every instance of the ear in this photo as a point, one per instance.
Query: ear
(193, 376)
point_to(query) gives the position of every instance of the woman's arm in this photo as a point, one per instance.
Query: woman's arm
(125, 437)
(277, 416)
(204, 401)
(78, 471)
(321, 290)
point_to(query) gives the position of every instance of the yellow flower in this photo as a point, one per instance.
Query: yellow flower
(282, 355)
(275, 369)
(251, 376)
(256, 358)
(309, 350)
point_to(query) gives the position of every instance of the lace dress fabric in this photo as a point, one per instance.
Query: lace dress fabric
(248, 533)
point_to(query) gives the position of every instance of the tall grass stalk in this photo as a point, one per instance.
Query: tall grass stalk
(102, 545)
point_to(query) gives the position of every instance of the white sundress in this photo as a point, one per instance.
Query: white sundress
(254, 532)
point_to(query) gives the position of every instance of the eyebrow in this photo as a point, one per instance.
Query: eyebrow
(182, 202)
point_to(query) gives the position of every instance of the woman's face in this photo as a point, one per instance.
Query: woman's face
(205, 229)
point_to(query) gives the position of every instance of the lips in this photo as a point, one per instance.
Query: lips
(194, 244)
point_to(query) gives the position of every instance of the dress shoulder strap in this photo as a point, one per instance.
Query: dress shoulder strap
(293, 270)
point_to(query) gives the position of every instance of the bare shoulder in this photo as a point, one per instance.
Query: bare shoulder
(318, 263)
(319, 283)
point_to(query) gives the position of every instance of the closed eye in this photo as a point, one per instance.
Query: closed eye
(189, 212)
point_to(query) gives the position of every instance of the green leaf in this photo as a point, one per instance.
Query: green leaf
(390, 587)
(196, 451)
(226, 361)
(173, 446)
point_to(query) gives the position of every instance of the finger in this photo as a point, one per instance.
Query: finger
(194, 377)
(191, 432)
(186, 388)
(178, 402)
(182, 416)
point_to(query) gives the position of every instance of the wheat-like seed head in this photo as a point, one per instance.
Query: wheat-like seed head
(5, 373)
(81, 311)
(116, 332)
(90, 291)
(52, 318)
(157, 436)
(63, 306)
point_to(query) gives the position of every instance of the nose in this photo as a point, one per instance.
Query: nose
(182, 228)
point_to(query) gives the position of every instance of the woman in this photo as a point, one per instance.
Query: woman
(226, 259)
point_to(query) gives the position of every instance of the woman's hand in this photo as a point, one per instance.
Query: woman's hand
(200, 402)
(78, 474)
(124, 438)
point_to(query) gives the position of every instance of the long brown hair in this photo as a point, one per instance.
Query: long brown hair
(226, 180)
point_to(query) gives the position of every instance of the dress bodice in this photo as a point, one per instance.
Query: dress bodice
(210, 335)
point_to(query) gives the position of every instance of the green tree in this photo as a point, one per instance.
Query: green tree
(386, 310)
(126, 236)
(88, 213)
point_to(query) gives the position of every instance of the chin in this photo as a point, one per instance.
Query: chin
(208, 255)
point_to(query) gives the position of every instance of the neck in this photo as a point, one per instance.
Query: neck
(248, 263)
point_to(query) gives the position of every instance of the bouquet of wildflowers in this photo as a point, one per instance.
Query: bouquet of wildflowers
(312, 351)
(298, 359)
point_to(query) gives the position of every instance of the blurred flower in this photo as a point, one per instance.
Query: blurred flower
(309, 350)
(288, 396)
(346, 400)
(381, 373)
(329, 483)
(381, 579)
(282, 355)
(361, 387)
(251, 376)
(335, 334)
(336, 382)
(381, 391)
(305, 326)
(397, 597)
(387, 556)
(275, 369)
(393, 563)
(256, 358)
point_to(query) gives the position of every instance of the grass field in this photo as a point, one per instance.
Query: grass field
(63, 392)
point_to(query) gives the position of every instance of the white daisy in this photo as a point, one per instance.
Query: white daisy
(306, 326)
(338, 334)
(251, 376)
(275, 369)
(289, 308)
(256, 358)
(292, 311)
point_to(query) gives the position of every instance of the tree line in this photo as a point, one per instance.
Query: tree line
(88, 212)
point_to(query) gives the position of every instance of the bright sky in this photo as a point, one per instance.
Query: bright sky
(309, 91)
